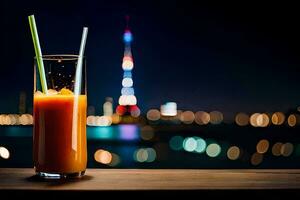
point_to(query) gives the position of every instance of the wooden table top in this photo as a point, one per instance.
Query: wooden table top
(155, 179)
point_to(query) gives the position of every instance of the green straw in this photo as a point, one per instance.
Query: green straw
(38, 52)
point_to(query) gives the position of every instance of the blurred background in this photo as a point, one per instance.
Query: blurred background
(213, 86)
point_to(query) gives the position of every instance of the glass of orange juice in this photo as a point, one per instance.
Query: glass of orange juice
(59, 134)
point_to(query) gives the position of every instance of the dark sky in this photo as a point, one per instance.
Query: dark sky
(233, 57)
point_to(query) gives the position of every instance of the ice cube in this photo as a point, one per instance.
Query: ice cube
(65, 91)
(38, 93)
(52, 92)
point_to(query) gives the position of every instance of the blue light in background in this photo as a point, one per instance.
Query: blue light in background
(127, 91)
(127, 74)
(127, 37)
(129, 132)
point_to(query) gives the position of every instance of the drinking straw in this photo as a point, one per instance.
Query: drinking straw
(77, 89)
(38, 52)
(77, 86)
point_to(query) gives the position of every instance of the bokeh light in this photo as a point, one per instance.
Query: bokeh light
(140, 155)
(233, 153)
(116, 160)
(187, 117)
(202, 118)
(190, 144)
(292, 120)
(127, 91)
(103, 121)
(4, 153)
(151, 154)
(201, 145)
(127, 37)
(125, 100)
(262, 120)
(262, 146)
(135, 111)
(127, 82)
(242, 119)
(127, 64)
(213, 150)
(103, 156)
(153, 115)
(147, 133)
(144, 155)
(216, 117)
(276, 149)
(287, 149)
(176, 143)
(278, 118)
(256, 158)
(253, 119)
(91, 120)
(169, 109)
(115, 118)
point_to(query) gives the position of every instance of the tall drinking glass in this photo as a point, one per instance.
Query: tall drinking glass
(59, 135)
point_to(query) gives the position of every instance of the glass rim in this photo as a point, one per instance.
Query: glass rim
(60, 57)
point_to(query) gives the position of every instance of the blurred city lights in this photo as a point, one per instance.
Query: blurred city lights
(256, 158)
(242, 119)
(127, 82)
(253, 119)
(151, 155)
(99, 120)
(144, 155)
(127, 63)
(187, 117)
(216, 117)
(115, 118)
(287, 149)
(201, 145)
(213, 150)
(147, 133)
(115, 160)
(292, 120)
(127, 91)
(176, 143)
(134, 111)
(127, 37)
(168, 109)
(233, 153)
(108, 107)
(15, 119)
(190, 144)
(140, 155)
(153, 115)
(127, 100)
(262, 120)
(103, 121)
(262, 146)
(276, 149)
(278, 118)
(4, 153)
(202, 118)
(91, 120)
(103, 156)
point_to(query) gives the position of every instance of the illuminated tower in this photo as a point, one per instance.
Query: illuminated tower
(127, 100)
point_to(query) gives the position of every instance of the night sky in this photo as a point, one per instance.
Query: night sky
(233, 57)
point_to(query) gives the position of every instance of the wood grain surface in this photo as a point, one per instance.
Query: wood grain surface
(154, 179)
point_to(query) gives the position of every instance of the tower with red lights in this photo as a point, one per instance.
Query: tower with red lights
(127, 100)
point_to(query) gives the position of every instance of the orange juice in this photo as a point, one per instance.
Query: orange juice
(58, 146)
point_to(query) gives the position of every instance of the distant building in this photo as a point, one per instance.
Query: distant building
(127, 100)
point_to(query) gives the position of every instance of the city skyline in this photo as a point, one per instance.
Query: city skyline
(202, 57)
